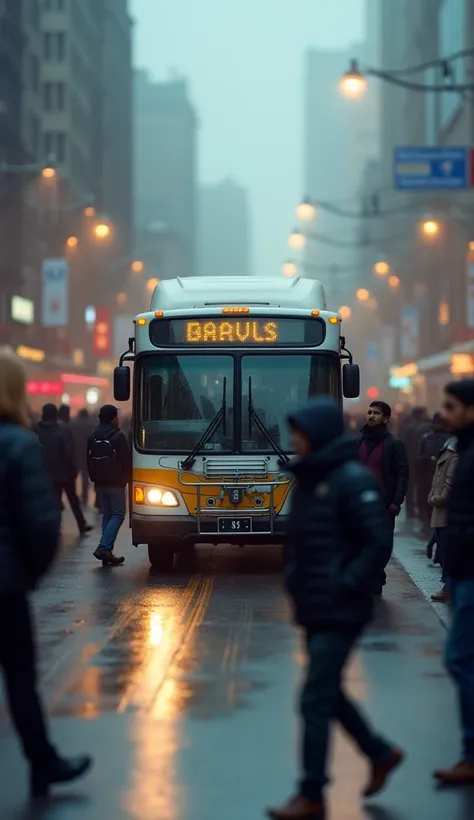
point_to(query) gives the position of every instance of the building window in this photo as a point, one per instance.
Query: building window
(452, 28)
(55, 143)
(54, 96)
(54, 46)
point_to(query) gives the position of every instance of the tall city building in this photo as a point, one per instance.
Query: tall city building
(11, 152)
(165, 162)
(224, 236)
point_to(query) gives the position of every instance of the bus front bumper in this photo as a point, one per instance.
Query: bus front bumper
(147, 529)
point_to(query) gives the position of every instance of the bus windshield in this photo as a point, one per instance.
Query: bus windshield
(279, 385)
(178, 397)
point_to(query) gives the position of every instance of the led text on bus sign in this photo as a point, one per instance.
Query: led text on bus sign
(231, 332)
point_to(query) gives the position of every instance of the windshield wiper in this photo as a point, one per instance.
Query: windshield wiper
(213, 425)
(283, 458)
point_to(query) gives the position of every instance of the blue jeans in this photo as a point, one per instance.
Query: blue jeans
(323, 700)
(113, 506)
(459, 656)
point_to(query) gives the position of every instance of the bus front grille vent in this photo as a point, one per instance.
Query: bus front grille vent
(236, 467)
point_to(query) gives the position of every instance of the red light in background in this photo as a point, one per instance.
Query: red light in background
(372, 392)
(88, 381)
(45, 388)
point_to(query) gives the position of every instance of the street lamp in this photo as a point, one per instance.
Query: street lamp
(72, 242)
(353, 84)
(306, 211)
(345, 313)
(297, 240)
(48, 173)
(122, 298)
(363, 295)
(89, 211)
(393, 282)
(471, 246)
(137, 266)
(430, 227)
(102, 230)
(381, 268)
(289, 269)
(151, 284)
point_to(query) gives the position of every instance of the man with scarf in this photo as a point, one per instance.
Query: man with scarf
(386, 457)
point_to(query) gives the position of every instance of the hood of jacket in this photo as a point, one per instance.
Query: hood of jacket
(105, 430)
(320, 421)
(318, 464)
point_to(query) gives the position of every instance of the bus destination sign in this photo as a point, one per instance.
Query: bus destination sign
(230, 332)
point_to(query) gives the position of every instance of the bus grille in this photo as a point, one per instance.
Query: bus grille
(236, 467)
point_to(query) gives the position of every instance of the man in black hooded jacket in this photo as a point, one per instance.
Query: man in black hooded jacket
(337, 544)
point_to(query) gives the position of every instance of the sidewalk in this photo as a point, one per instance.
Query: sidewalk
(409, 552)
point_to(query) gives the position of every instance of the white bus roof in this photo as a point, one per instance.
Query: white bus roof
(213, 291)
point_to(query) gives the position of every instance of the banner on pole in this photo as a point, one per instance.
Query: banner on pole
(55, 292)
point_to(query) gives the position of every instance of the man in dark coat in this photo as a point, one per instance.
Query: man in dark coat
(458, 568)
(337, 544)
(82, 428)
(386, 457)
(60, 458)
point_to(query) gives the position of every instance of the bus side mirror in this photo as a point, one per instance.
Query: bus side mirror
(351, 381)
(122, 383)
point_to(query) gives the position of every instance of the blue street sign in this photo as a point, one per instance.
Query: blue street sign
(431, 168)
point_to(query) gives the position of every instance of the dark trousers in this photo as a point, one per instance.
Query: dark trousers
(439, 536)
(324, 700)
(85, 484)
(383, 575)
(459, 657)
(18, 662)
(69, 488)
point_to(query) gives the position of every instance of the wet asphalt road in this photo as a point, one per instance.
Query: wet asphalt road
(183, 688)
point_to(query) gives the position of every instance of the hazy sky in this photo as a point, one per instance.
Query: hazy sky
(244, 60)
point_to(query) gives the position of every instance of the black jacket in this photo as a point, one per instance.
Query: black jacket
(123, 462)
(338, 537)
(459, 531)
(395, 467)
(29, 513)
(59, 453)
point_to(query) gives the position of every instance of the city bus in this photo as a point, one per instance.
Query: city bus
(218, 364)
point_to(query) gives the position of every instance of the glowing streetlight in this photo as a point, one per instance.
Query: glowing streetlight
(306, 211)
(345, 313)
(72, 242)
(297, 240)
(122, 298)
(430, 228)
(363, 295)
(102, 230)
(48, 173)
(151, 284)
(137, 266)
(471, 246)
(89, 211)
(289, 269)
(381, 268)
(393, 282)
(353, 84)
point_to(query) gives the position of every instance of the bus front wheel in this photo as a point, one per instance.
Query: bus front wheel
(161, 555)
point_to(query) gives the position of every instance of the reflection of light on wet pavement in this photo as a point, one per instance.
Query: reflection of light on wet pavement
(156, 629)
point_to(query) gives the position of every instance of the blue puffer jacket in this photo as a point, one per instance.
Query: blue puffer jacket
(29, 512)
(338, 539)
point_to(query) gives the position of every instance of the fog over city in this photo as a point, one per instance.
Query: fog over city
(245, 66)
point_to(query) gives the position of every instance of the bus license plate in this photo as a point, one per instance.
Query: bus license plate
(235, 525)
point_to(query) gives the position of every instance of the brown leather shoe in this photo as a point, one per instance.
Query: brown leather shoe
(381, 771)
(441, 597)
(298, 808)
(459, 775)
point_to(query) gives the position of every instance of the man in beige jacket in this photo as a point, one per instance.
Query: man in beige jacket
(440, 489)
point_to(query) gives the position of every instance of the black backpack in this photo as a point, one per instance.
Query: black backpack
(103, 461)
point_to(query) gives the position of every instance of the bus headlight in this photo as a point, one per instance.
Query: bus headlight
(154, 496)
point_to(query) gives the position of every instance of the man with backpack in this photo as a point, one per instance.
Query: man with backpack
(109, 464)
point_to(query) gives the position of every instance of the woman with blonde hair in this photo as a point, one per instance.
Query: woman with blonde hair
(29, 536)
